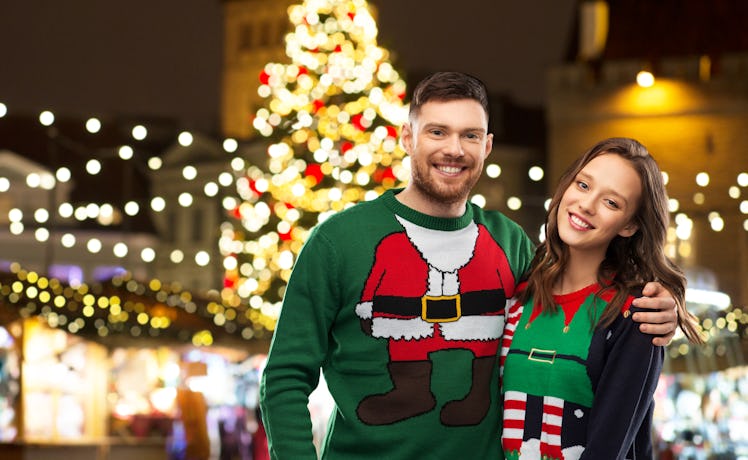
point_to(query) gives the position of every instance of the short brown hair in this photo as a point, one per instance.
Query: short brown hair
(448, 86)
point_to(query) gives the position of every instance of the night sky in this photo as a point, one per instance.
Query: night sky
(163, 58)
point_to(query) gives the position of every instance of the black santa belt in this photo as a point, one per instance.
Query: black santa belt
(442, 309)
(546, 356)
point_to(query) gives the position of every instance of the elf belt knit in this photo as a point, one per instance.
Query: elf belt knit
(547, 356)
(442, 307)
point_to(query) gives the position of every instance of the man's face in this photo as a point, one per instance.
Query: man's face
(447, 143)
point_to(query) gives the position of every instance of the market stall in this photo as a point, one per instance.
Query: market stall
(60, 393)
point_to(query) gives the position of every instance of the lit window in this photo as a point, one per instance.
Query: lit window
(70, 274)
(104, 272)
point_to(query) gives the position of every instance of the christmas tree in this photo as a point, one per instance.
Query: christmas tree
(330, 122)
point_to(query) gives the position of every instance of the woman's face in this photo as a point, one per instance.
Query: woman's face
(599, 204)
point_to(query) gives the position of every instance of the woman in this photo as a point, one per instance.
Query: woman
(578, 374)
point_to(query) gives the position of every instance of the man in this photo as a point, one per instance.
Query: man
(401, 300)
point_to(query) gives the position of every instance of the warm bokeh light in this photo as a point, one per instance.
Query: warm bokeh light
(125, 152)
(93, 125)
(702, 179)
(645, 79)
(230, 145)
(158, 204)
(63, 174)
(514, 203)
(139, 132)
(120, 249)
(155, 163)
(185, 138)
(132, 208)
(743, 179)
(189, 172)
(93, 167)
(535, 173)
(46, 118)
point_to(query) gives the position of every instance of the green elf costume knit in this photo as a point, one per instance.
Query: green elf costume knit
(573, 390)
(404, 314)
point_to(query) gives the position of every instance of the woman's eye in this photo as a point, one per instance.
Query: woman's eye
(582, 185)
(612, 204)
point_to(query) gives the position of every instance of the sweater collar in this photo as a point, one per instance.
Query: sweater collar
(425, 220)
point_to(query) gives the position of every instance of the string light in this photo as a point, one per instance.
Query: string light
(514, 203)
(536, 173)
(125, 152)
(331, 118)
(46, 118)
(185, 138)
(139, 132)
(93, 125)
(493, 170)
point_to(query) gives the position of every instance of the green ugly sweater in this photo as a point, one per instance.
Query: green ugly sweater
(403, 312)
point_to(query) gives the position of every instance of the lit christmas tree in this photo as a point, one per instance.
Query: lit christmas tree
(331, 119)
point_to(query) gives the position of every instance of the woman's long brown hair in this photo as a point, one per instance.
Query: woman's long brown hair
(629, 262)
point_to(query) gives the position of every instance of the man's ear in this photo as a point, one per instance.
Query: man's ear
(489, 145)
(629, 230)
(406, 137)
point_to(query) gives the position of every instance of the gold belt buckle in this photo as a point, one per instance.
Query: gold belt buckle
(440, 298)
(544, 356)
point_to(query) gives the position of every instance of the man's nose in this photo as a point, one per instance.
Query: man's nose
(454, 146)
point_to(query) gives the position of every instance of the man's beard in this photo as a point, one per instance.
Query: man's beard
(441, 193)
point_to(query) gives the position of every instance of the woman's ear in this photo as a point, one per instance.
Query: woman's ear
(629, 230)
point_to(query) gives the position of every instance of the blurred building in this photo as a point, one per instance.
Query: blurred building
(253, 37)
(674, 75)
(692, 117)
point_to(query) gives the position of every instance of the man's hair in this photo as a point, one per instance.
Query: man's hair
(448, 86)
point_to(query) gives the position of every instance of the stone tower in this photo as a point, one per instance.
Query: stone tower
(254, 33)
